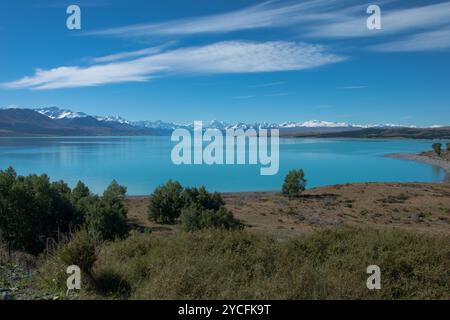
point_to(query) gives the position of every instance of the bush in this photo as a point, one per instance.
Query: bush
(195, 218)
(107, 216)
(294, 183)
(448, 146)
(202, 198)
(197, 208)
(80, 251)
(32, 210)
(166, 203)
(437, 147)
(81, 199)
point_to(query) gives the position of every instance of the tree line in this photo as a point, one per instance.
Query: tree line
(34, 210)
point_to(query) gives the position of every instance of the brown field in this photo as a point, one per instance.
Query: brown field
(411, 206)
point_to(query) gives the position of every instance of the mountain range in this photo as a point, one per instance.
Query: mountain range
(54, 121)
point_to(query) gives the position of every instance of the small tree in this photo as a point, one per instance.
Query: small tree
(202, 198)
(294, 183)
(448, 147)
(32, 210)
(81, 199)
(107, 216)
(437, 147)
(166, 203)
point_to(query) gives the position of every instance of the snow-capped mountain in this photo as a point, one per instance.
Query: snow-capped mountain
(17, 121)
(158, 125)
(117, 119)
(315, 124)
(57, 113)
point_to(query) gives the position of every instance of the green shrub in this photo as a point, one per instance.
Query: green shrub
(166, 203)
(195, 218)
(202, 198)
(448, 146)
(32, 210)
(196, 207)
(107, 216)
(294, 183)
(437, 147)
(81, 198)
(111, 284)
(80, 251)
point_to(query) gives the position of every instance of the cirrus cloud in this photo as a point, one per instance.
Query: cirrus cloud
(218, 58)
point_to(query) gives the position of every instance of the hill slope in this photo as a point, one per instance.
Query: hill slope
(27, 122)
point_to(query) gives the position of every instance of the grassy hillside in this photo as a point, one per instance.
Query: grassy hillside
(215, 264)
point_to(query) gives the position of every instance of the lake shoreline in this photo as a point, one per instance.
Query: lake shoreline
(425, 157)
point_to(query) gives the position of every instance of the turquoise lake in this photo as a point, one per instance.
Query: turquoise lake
(142, 163)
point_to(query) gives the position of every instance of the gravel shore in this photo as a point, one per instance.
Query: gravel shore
(425, 157)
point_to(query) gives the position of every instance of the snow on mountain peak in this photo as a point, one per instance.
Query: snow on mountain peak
(57, 113)
(117, 119)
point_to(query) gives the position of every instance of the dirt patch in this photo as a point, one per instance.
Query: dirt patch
(413, 206)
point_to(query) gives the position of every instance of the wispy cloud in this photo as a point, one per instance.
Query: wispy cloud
(352, 87)
(218, 58)
(65, 3)
(316, 19)
(244, 97)
(263, 15)
(277, 94)
(392, 21)
(134, 54)
(425, 41)
(265, 85)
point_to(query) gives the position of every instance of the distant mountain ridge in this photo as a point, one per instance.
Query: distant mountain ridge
(28, 122)
(54, 121)
(57, 113)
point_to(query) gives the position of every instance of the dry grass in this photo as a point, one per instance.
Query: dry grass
(317, 246)
(406, 206)
(245, 265)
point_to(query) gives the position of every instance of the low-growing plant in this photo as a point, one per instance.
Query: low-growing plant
(218, 264)
(80, 250)
(195, 218)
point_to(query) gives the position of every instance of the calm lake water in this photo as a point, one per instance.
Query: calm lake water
(142, 163)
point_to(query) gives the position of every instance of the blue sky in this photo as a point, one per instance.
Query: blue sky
(249, 61)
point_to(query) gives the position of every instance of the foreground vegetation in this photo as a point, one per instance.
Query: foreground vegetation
(209, 256)
(194, 208)
(35, 212)
(219, 264)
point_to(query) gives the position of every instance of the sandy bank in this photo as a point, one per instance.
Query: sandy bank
(425, 157)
